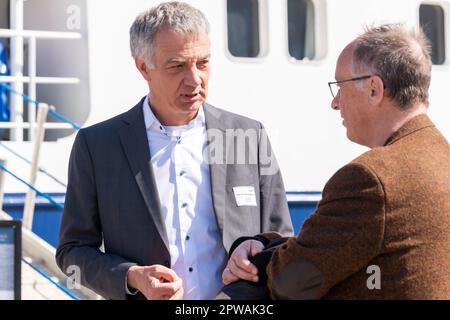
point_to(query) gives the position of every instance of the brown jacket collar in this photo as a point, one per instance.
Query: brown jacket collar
(417, 123)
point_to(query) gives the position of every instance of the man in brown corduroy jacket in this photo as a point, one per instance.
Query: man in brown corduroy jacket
(382, 228)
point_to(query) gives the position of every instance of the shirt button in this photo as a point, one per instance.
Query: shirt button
(184, 205)
(182, 173)
(190, 269)
(187, 237)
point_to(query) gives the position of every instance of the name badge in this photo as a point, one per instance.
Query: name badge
(245, 196)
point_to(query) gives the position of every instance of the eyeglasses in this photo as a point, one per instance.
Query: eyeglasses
(334, 88)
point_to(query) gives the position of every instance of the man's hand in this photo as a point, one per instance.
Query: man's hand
(156, 282)
(239, 267)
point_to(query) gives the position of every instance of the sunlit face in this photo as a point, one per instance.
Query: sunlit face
(352, 100)
(179, 78)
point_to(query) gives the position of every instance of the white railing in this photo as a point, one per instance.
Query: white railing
(27, 125)
(39, 34)
(17, 79)
(5, 79)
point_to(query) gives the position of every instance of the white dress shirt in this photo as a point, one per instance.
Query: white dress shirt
(184, 187)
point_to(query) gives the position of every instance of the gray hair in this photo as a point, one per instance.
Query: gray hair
(176, 16)
(401, 57)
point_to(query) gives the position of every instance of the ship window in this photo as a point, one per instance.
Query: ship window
(432, 22)
(300, 21)
(243, 28)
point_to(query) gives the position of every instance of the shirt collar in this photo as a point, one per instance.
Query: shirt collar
(152, 123)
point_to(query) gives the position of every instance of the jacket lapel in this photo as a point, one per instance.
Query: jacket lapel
(218, 168)
(135, 144)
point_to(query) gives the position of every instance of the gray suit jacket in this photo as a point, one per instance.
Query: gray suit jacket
(112, 198)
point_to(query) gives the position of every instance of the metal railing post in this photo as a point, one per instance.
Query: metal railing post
(16, 63)
(32, 85)
(2, 182)
(28, 210)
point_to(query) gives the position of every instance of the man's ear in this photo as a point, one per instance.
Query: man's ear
(142, 67)
(376, 90)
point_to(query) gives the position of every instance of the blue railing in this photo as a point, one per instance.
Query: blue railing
(56, 115)
(42, 170)
(42, 194)
(36, 102)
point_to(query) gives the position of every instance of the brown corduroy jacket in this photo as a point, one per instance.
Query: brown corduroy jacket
(385, 216)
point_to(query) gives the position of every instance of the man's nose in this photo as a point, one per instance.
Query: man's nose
(193, 77)
(335, 102)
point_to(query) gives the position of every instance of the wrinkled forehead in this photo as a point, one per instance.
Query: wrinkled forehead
(172, 46)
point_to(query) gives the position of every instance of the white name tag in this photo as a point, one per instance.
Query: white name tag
(245, 196)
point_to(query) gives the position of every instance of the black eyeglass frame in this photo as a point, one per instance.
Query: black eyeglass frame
(346, 80)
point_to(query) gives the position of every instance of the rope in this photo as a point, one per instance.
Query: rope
(24, 96)
(55, 114)
(45, 195)
(45, 275)
(36, 102)
(62, 118)
(39, 168)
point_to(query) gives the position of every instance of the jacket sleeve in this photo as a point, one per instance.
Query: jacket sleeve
(339, 239)
(274, 207)
(81, 234)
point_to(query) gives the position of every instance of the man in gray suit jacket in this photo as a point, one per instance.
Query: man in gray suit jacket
(169, 185)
